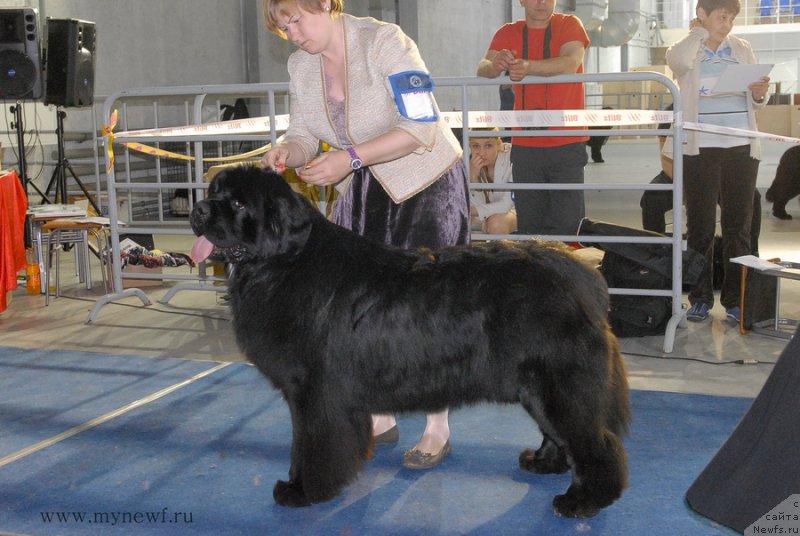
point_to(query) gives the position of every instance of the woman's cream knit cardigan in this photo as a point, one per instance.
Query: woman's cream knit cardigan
(684, 59)
(374, 50)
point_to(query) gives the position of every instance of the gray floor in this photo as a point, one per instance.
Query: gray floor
(196, 325)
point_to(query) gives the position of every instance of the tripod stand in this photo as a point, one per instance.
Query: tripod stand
(59, 177)
(23, 165)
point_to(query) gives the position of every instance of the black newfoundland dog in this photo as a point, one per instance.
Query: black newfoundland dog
(786, 184)
(345, 328)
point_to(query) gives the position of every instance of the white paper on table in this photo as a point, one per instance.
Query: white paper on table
(737, 76)
(751, 261)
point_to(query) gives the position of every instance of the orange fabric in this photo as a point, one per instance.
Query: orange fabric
(13, 204)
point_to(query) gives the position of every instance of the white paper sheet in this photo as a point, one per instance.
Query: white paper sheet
(751, 261)
(737, 76)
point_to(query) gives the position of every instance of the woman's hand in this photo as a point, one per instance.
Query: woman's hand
(476, 162)
(328, 168)
(759, 88)
(275, 159)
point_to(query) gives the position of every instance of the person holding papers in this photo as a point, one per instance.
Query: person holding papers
(717, 167)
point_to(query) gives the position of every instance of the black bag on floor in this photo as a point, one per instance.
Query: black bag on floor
(645, 266)
(635, 316)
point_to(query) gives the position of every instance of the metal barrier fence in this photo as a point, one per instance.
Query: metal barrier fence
(195, 111)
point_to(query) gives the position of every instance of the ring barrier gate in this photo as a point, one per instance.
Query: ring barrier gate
(197, 132)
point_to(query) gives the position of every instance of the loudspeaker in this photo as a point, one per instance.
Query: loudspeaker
(69, 65)
(20, 64)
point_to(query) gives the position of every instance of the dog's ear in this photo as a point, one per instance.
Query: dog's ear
(287, 221)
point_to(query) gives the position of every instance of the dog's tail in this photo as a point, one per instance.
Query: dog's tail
(770, 195)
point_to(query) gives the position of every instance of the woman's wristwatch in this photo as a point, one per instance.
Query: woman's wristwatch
(355, 161)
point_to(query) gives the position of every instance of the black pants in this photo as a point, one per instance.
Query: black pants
(656, 203)
(728, 177)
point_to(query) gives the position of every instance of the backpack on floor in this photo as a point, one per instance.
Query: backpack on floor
(645, 266)
(635, 316)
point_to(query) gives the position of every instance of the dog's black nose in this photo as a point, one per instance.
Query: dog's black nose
(197, 219)
(201, 209)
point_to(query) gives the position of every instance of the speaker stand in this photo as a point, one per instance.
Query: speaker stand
(22, 163)
(59, 177)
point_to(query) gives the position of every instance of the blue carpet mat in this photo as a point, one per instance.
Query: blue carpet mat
(186, 447)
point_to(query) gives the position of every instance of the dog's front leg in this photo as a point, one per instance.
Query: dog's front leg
(327, 451)
(291, 493)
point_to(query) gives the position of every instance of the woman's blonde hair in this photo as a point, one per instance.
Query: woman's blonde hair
(490, 129)
(275, 8)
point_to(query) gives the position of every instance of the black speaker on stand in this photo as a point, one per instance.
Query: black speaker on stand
(69, 70)
(20, 69)
(70, 62)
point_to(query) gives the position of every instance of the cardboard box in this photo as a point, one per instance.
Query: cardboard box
(661, 69)
(634, 95)
(624, 95)
(794, 119)
(138, 283)
(137, 269)
(775, 119)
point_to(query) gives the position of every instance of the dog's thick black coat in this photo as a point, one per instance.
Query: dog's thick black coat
(786, 184)
(345, 328)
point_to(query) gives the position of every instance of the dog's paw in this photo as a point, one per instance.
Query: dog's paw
(569, 505)
(544, 461)
(290, 494)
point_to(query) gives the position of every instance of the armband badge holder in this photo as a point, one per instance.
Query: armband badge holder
(413, 94)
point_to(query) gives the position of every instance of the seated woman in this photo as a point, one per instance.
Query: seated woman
(492, 211)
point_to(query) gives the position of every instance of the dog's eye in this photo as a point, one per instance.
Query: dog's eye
(238, 205)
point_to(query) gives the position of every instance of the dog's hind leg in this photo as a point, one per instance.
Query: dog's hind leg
(594, 450)
(593, 442)
(573, 413)
(599, 475)
(549, 457)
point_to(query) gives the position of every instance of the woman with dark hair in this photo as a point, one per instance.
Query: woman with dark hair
(717, 167)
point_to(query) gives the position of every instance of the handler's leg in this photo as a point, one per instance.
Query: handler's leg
(384, 429)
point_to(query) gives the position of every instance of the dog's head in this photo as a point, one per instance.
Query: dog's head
(249, 213)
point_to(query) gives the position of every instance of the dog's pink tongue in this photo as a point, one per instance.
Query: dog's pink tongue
(201, 249)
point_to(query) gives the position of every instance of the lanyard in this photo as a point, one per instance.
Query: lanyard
(548, 34)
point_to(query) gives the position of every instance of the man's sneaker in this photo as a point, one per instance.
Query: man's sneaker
(697, 312)
(734, 313)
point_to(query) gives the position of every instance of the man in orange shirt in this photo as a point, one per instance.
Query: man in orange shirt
(544, 44)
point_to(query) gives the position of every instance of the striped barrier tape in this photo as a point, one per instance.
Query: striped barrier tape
(739, 132)
(504, 119)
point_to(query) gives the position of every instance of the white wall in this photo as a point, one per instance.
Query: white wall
(145, 43)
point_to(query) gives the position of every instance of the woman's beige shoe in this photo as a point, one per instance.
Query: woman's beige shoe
(416, 459)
